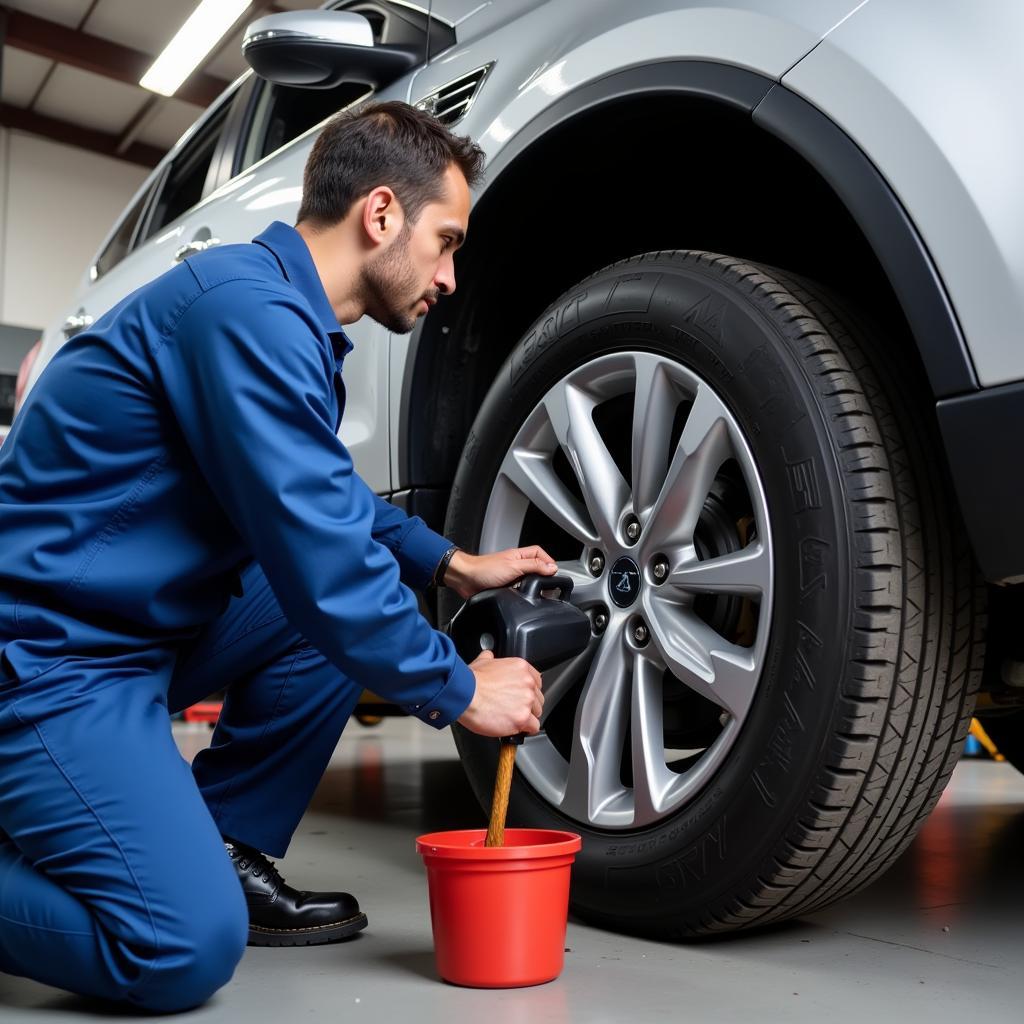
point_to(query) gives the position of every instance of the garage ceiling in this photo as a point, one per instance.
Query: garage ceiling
(69, 70)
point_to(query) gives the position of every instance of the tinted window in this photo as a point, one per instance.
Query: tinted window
(185, 182)
(283, 113)
(120, 245)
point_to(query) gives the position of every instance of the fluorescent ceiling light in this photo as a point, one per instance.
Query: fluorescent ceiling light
(195, 39)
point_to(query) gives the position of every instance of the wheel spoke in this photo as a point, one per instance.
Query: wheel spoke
(586, 588)
(558, 681)
(570, 410)
(600, 731)
(654, 405)
(702, 659)
(742, 572)
(534, 476)
(703, 447)
(652, 777)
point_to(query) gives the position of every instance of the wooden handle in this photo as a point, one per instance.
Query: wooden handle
(499, 804)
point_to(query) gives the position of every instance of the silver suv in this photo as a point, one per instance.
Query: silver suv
(738, 322)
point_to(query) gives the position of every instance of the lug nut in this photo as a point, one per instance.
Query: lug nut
(633, 529)
(600, 622)
(597, 563)
(723, 719)
(659, 570)
(640, 634)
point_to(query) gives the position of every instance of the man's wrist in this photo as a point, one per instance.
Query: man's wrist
(455, 575)
(438, 579)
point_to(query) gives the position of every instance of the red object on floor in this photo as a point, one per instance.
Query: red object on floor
(203, 712)
(499, 912)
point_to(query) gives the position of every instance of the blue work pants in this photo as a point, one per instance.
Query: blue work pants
(114, 881)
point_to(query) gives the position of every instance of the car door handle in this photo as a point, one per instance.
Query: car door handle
(191, 248)
(76, 323)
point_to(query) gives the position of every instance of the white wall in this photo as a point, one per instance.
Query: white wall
(4, 137)
(56, 205)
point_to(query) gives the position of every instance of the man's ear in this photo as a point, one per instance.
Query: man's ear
(382, 215)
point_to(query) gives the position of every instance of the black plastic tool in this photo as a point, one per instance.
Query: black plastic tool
(522, 623)
(519, 623)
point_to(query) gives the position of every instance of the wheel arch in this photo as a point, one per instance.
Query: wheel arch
(739, 137)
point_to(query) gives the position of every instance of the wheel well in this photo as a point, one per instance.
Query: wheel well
(631, 175)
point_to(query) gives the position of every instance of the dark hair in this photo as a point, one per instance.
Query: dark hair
(391, 144)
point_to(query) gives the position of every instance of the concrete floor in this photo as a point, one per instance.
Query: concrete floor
(939, 938)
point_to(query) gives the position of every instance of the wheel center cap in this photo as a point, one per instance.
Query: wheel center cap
(624, 582)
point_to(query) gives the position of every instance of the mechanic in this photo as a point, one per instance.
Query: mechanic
(179, 516)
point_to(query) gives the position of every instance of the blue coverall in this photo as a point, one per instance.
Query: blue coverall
(178, 515)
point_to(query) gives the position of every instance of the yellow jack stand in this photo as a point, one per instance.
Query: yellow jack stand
(985, 740)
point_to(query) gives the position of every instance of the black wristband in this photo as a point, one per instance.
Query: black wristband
(442, 567)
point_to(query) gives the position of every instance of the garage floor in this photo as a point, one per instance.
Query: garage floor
(939, 938)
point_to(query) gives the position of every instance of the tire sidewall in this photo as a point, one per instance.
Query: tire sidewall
(699, 313)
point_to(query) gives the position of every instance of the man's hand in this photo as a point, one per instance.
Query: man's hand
(468, 574)
(508, 698)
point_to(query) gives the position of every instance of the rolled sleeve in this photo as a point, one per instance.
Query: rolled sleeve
(248, 376)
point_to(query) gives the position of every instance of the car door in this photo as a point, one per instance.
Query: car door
(152, 231)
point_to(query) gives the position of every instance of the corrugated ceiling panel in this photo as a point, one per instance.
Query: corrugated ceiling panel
(89, 100)
(22, 74)
(64, 12)
(148, 27)
(169, 123)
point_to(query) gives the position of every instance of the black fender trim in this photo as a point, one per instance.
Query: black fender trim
(982, 434)
(889, 231)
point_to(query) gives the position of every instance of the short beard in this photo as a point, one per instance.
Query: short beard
(388, 277)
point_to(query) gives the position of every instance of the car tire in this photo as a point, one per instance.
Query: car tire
(873, 646)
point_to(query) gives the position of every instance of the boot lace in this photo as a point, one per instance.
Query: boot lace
(257, 864)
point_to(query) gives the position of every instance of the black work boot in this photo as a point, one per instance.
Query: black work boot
(282, 916)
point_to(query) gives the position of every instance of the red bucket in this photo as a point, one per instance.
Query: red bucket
(499, 912)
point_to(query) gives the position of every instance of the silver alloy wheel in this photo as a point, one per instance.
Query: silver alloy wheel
(657, 629)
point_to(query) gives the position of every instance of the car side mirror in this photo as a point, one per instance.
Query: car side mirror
(322, 49)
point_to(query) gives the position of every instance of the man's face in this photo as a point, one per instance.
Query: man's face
(404, 280)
